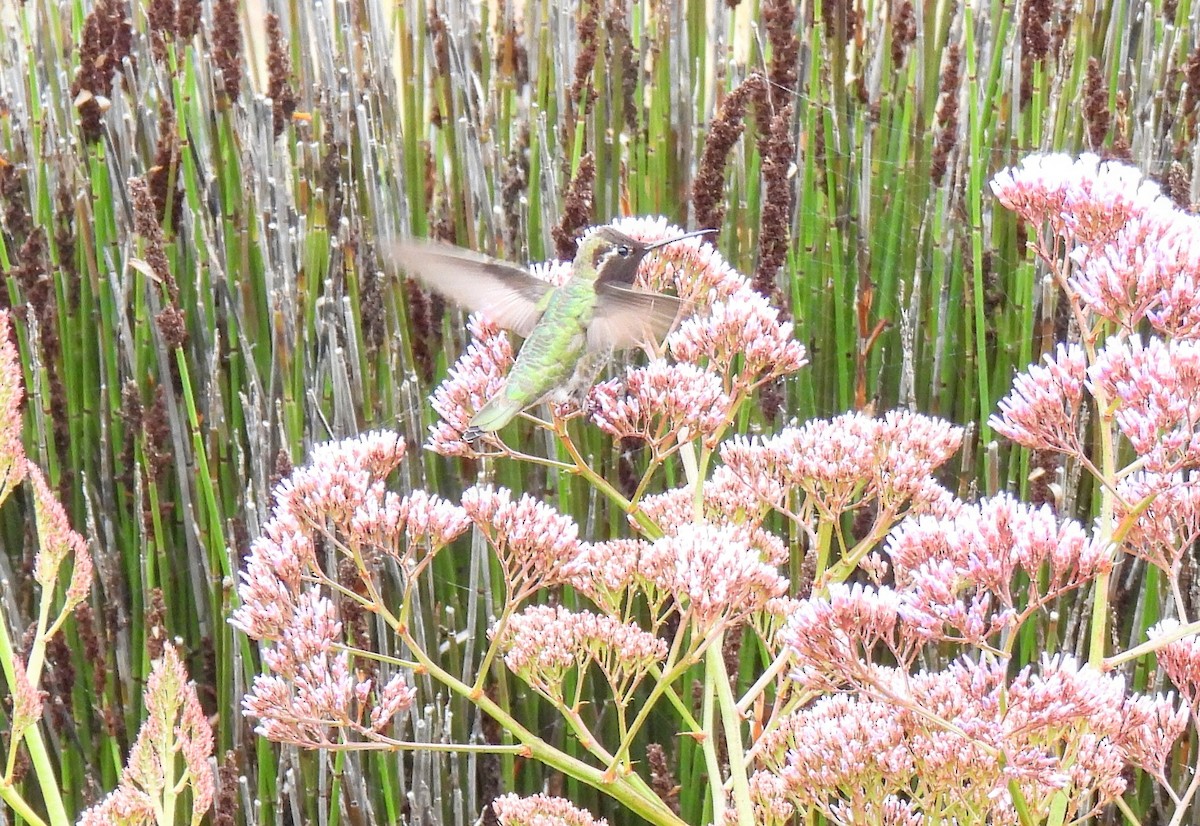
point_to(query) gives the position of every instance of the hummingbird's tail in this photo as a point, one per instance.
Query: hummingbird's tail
(492, 416)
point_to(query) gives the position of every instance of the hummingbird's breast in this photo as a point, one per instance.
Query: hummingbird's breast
(548, 357)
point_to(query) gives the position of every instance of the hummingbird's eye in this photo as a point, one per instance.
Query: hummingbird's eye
(623, 251)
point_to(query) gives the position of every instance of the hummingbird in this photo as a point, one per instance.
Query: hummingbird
(569, 330)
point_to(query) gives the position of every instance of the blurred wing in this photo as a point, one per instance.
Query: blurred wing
(504, 293)
(631, 318)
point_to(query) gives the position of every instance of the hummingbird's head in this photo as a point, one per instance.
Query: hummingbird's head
(614, 256)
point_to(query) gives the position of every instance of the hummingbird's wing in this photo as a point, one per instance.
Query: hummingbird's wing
(631, 318)
(504, 293)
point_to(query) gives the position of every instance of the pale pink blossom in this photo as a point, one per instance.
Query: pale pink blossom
(729, 497)
(12, 390)
(377, 451)
(339, 477)
(952, 741)
(740, 337)
(1150, 727)
(769, 794)
(837, 743)
(1168, 525)
(535, 544)
(308, 707)
(382, 518)
(986, 544)
(174, 723)
(848, 459)
(829, 459)
(1042, 409)
(716, 574)
(1036, 189)
(910, 448)
(431, 520)
(834, 637)
(543, 643)
(334, 510)
(1083, 199)
(755, 470)
(1181, 660)
(339, 495)
(891, 811)
(722, 505)
(1062, 689)
(272, 578)
(396, 696)
(313, 630)
(662, 403)
(607, 572)
(56, 542)
(1178, 313)
(475, 378)
(125, 806)
(541, 810)
(1156, 385)
(1148, 271)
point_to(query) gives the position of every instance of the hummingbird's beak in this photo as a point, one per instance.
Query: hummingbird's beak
(680, 238)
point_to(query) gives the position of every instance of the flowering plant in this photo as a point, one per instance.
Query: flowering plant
(888, 690)
(154, 785)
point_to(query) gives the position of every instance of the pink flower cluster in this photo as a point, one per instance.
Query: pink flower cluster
(335, 511)
(950, 742)
(340, 496)
(543, 644)
(741, 338)
(714, 574)
(1157, 385)
(1149, 271)
(954, 576)
(661, 403)
(1083, 199)
(958, 571)
(1132, 257)
(849, 459)
(724, 504)
(1042, 409)
(612, 574)
(834, 639)
(541, 810)
(1169, 524)
(313, 692)
(1137, 256)
(1181, 660)
(175, 726)
(692, 268)
(535, 544)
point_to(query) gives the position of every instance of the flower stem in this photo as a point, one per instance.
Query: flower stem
(641, 802)
(731, 722)
(582, 468)
(711, 759)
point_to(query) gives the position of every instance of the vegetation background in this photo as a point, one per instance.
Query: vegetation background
(195, 196)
